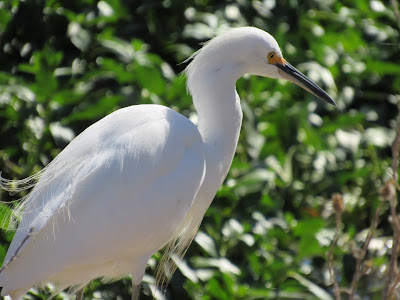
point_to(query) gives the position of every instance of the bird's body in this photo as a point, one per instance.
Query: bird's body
(98, 191)
(138, 179)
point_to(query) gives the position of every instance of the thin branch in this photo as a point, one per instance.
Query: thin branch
(392, 197)
(393, 269)
(396, 11)
(336, 288)
(395, 148)
(394, 286)
(393, 266)
(360, 270)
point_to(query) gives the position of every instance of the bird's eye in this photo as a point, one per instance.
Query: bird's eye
(274, 58)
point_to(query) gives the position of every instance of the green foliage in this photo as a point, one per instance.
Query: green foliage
(66, 64)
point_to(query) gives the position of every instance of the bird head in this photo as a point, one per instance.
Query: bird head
(286, 71)
(248, 50)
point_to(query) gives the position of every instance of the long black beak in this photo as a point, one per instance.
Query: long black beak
(292, 74)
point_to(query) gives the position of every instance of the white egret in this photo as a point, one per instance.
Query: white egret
(140, 178)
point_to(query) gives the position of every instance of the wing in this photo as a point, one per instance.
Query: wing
(127, 181)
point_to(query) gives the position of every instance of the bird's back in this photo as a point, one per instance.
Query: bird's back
(109, 200)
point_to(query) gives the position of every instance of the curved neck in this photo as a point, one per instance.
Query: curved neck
(220, 120)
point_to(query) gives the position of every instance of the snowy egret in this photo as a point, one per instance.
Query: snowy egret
(141, 178)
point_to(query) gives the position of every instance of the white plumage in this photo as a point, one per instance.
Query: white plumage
(141, 177)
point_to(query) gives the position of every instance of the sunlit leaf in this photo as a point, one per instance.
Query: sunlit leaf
(312, 287)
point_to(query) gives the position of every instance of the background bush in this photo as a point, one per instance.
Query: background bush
(66, 64)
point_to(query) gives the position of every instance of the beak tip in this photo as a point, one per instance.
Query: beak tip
(331, 101)
(288, 72)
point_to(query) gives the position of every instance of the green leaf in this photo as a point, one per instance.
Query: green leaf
(207, 243)
(313, 288)
(150, 78)
(103, 107)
